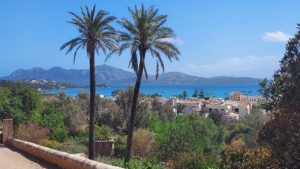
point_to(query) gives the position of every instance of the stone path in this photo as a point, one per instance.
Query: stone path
(11, 159)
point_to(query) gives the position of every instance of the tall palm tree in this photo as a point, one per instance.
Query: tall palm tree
(95, 32)
(146, 33)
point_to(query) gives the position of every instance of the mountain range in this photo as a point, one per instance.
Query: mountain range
(106, 74)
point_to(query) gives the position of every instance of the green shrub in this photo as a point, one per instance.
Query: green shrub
(187, 133)
(120, 146)
(103, 132)
(54, 121)
(19, 102)
(133, 164)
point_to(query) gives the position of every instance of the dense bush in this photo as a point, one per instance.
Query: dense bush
(54, 121)
(133, 164)
(248, 127)
(109, 114)
(31, 132)
(260, 158)
(143, 114)
(143, 144)
(73, 114)
(187, 133)
(19, 102)
(100, 133)
(216, 116)
(192, 160)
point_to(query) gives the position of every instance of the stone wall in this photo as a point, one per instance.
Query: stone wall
(104, 147)
(7, 130)
(60, 159)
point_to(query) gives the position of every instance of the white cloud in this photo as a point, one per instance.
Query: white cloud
(249, 66)
(176, 41)
(276, 36)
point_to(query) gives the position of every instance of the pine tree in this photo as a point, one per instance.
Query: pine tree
(283, 95)
(201, 94)
(195, 94)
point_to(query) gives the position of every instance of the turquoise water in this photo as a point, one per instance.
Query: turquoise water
(169, 90)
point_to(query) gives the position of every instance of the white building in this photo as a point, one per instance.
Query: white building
(230, 109)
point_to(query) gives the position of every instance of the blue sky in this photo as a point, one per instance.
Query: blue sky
(232, 37)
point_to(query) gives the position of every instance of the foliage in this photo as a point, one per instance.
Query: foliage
(95, 32)
(195, 93)
(120, 146)
(180, 108)
(248, 128)
(109, 114)
(145, 33)
(19, 102)
(73, 147)
(103, 132)
(54, 121)
(31, 132)
(216, 116)
(74, 119)
(163, 111)
(133, 164)
(143, 144)
(187, 133)
(183, 95)
(192, 160)
(50, 144)
(124, 100)
(201, 94)
(259, 158)
(73, 114)
(283, 96)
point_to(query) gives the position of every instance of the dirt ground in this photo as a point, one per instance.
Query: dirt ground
(12, 159)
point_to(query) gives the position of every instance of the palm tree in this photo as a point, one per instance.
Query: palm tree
(95, 33)
(146, 33)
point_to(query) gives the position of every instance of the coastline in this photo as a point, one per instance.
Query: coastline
(171, 90)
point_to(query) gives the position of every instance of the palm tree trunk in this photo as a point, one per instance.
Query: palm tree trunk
(133, 108)
(92, 105)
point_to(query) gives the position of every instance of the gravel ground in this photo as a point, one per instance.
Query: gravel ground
(11, 159)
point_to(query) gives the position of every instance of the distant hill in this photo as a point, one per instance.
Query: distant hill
(112, 75)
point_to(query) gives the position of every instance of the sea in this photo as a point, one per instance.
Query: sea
(171, 90)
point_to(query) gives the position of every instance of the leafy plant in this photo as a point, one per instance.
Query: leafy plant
(54, 121)
(187, 133)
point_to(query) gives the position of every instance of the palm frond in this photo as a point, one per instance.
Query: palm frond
(145, 32)
(95, 32)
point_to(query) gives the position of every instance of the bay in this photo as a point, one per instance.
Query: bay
(170, 90)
